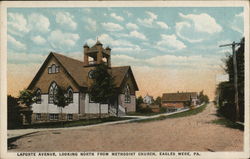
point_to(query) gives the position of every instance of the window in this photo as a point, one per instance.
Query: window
(38, 116)
(53, 116)
(127, 94)
(70, 95)
(38, 96)
(69, 116)
(53, 69)
(52, 92)
(90, 99)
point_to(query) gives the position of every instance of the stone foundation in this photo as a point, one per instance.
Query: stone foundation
(45, 117)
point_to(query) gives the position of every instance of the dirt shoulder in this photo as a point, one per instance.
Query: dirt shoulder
(193, 133)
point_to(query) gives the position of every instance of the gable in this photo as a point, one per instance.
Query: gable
(76, 74)
(130, 81)
(43, 78)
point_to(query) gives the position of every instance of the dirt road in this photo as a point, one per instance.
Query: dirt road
(193, 133)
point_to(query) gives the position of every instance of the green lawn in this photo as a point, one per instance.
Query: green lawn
(228, 123)
(143, 114)
(74, 123)
(178, 115)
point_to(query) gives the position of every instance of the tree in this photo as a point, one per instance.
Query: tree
(226, 90)
(158, 101)
(27, 97)
(203, 98)
(13, 112)
(61, 99)
(139, 101)
(102, 90)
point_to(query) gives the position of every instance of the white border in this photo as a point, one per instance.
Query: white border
(3, 57)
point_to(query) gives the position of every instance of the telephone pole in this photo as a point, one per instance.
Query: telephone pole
(233, 45)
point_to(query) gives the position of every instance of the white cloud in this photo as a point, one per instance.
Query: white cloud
(91, 24)
(132, 26)
(17, 24)
(185, 31)
(162, 25)
(138, 35)
(129, 14)
(112, 26)
(66, 19)
(38, 40)
(115, 44)
(38, 22)
(15, 43)
(152, 15)
(169, 43)
(21, 57)
(203, 22)
(117, 17)
(148, 22)
(238, 23)
(62, 40)
(197, 27)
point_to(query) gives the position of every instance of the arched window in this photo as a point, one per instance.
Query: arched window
(52, 92)
(127, 94)
(38, 96)
(53, 69)
(70, 95)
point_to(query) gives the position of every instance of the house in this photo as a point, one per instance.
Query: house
(76, 76)
(148, 99)
(179, 100)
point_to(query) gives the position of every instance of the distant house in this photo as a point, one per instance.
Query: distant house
(175, 101)
(76, 77)
(148, 99)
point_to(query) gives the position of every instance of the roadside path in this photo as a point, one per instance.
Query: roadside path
(191, 133)
(22, 132)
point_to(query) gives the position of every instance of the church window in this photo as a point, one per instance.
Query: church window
(53, 69)
(127, 94)
(70, 95)
(52, 92)
(38, 96)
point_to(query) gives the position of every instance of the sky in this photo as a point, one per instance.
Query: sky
(169, 49)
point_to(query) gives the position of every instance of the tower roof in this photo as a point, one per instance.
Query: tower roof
(98, 42)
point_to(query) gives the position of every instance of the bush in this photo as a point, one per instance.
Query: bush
(163, 109)
(145, 110)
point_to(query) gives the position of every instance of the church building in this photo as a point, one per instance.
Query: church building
(76, 76)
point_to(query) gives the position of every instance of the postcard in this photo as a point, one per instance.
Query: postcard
(122, 79)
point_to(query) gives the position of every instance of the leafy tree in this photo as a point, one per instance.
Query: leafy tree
(13, 112)
(61, 99)
(225, 90)
(139, 101)
(158, 101)
(102, 89)
(27, 97)
(203, 98)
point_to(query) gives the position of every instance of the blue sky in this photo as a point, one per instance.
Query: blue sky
(164, 38)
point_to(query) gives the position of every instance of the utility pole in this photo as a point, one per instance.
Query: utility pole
(235, 77)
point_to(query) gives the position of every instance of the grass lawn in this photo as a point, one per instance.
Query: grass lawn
(83, 122)
(228, 123)
(144, 114)
(177, 115)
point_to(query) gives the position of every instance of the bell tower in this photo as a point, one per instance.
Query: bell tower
(96, 55)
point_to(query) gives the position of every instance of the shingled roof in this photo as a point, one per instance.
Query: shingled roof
(183, 96)
(79, 73)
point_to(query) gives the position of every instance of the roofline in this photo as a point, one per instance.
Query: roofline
(42, 67)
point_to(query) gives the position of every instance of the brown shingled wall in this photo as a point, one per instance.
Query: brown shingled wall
(61, 78)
